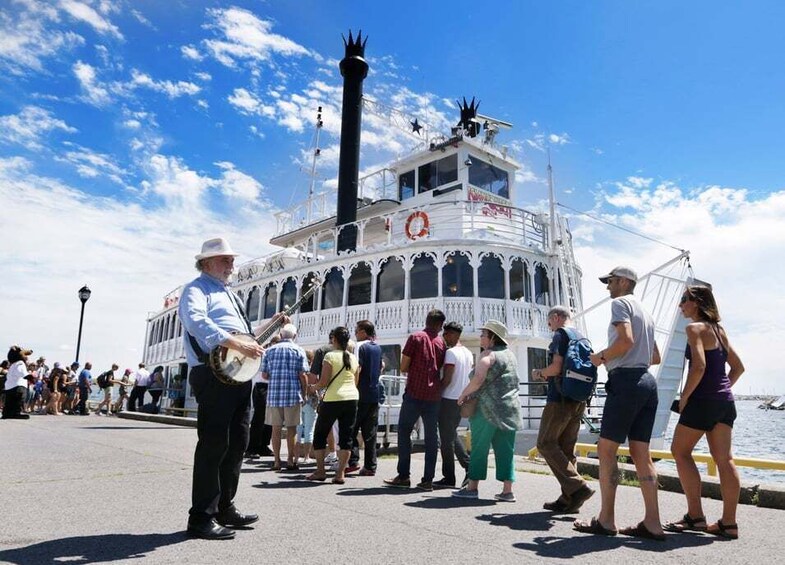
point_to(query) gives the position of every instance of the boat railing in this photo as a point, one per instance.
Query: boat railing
(446, 220)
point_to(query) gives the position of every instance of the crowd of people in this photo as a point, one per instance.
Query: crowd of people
(32, 387)
(326, 402)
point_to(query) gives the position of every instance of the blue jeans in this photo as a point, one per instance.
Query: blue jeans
(307, 422)
(411, 410)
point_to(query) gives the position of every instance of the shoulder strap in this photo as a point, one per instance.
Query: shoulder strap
(715, 329)
(200, 354)
(568, 332)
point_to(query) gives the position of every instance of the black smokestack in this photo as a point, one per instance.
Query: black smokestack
(354, 69)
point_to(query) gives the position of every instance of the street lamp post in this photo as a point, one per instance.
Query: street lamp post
(84, 296)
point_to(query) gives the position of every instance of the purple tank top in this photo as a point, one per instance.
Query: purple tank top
(715, 384)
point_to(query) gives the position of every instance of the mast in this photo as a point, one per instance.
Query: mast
(316, 152)
(552, 198)
(354, 69)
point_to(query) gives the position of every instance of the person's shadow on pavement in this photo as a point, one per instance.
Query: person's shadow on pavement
(91, 549)
(533, 521)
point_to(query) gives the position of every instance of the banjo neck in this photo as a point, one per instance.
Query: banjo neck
(272, 328)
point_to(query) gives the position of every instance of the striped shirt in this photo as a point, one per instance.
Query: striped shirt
(283, 364)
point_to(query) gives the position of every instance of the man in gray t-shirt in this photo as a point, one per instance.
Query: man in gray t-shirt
(630, 407)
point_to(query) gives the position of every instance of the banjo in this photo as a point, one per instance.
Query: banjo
(232, 367)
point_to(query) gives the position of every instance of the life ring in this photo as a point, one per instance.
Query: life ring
(417, 225)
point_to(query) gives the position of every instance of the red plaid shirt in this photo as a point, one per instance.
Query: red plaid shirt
(426, 351)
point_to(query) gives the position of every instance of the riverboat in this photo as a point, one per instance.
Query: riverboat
(437, 228)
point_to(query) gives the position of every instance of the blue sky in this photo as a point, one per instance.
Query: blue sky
(131, 131)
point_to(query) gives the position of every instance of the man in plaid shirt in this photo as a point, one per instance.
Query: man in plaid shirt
(422, 359)
(284, 367)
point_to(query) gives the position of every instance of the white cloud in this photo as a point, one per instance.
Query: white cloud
(29, 126)
(93, 92)
(203, 76)
(191, 52)
(25, 39)
(248, 103)
(91, 164)
(245, 37)
(171, 89)
(558, 139)
(140, 17)
(236, 184)
(83, 12)
(129, 254)
(171, 179)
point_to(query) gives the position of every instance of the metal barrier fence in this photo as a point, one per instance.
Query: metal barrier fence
(583, 450)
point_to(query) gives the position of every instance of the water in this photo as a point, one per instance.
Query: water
(756, 433)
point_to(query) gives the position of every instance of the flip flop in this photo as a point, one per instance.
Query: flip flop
(276, 467)
(315, 477)
(686, 524)
(722, 530)
(592, 527)
(337, 481)
(292, 467)
(640, 531)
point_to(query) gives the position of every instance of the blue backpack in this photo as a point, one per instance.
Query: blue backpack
(579, 376)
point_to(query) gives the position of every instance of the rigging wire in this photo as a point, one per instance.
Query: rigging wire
(628, 230)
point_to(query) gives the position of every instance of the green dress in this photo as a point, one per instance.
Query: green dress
(498, 396)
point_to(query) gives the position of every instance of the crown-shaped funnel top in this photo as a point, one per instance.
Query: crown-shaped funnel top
(355, 47)
(469, 116)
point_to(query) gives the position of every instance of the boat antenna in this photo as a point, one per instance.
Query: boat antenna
(552, 202)
(316, 151)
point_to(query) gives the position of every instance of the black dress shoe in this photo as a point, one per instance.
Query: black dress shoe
(232, 518)
(267, 452)
(209, 530)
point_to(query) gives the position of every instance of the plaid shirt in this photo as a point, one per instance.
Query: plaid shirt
(282, 366)
(426, 351)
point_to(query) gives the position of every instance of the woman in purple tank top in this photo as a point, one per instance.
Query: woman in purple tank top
(706, 407)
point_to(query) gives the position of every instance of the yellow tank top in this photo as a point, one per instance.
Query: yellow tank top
(342, 387)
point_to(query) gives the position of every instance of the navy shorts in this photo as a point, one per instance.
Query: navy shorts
(703, 414)
(630, 406)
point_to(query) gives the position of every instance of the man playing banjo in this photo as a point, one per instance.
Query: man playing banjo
(211, 314)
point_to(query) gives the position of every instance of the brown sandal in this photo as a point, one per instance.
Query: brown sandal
(315, 477)
(723, 530)
(686, 524)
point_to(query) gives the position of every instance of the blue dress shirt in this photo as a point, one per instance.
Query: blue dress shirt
(209, 314)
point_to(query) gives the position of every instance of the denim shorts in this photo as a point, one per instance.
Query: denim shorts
(307, 422)
(630, 405)
(703, 413)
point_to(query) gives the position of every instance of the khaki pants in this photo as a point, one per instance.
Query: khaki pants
(556, 442)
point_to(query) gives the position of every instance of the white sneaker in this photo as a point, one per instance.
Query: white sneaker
(331, 458)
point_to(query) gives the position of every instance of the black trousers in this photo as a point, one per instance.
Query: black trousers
(83, 394)
(345, 411)
(14, 401)
(136, 397)
(223, 420)
(366, 423)
(260, 432)
(451, 445)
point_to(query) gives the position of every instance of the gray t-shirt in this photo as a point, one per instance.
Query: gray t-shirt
(628, 309)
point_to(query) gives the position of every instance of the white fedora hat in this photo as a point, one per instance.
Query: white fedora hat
(215, 247)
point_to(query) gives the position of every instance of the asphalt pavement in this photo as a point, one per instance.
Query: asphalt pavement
(101, 489)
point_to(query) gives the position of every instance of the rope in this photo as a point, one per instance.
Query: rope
(628, 230)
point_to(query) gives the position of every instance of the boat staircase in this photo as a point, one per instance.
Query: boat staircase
(569, 270)
(659, 291)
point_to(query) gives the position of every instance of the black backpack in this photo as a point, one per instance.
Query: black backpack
(103, 379)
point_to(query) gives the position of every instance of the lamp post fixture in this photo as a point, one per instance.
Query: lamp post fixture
(84, 296)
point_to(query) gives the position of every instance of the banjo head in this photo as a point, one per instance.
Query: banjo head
(231, 366)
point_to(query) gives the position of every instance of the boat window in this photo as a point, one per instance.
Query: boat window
(310, 304)
(180, 330)
(332, 291)
(520, 285)
(457, 277)
(391, 361)
(390, 281)
(288, 293)
(270, 301)
(489, 178)
(165, 333)
(151, 337)
(172, 327)
(541, 286)
(537, 358)
(406, 185)
(360, 285)
(423, 278)
(438, 173)
(252, 306)
(490, 277)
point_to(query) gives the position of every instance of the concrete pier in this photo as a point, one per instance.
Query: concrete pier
(99, 489)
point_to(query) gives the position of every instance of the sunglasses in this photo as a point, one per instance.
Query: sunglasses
(684, 299)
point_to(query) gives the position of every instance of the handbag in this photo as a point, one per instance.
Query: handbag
(469, 407)
(321, 395)
(675, 403)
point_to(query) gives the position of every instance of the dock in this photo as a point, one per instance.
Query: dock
(103, 489)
